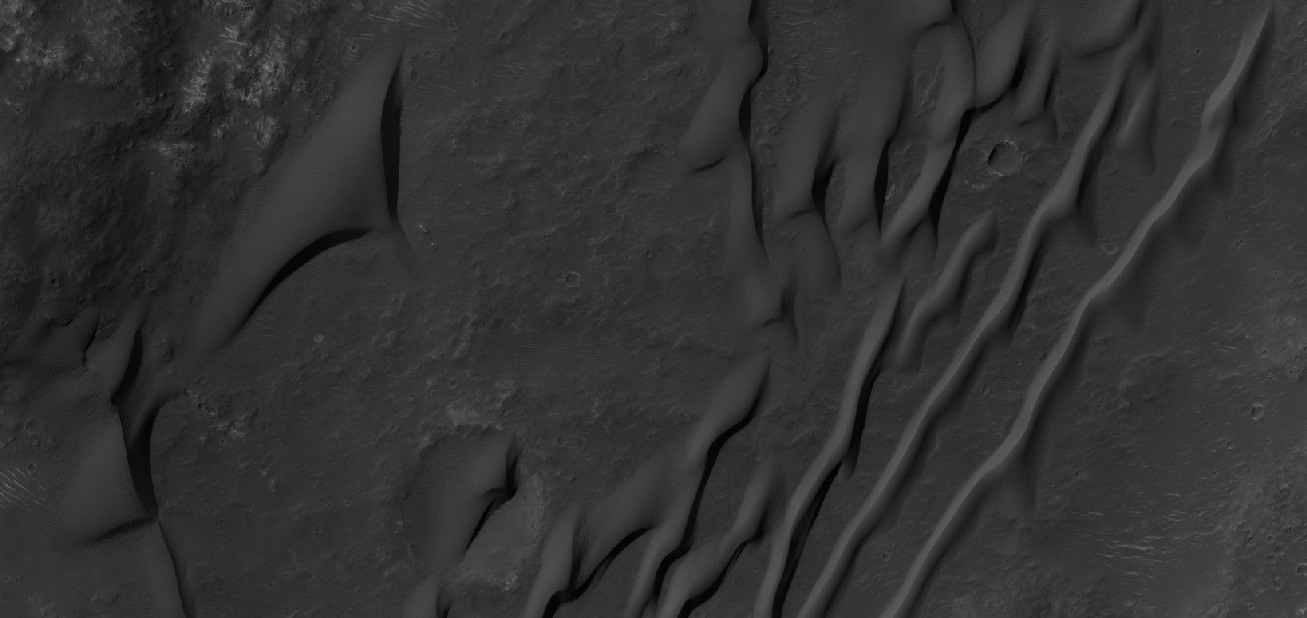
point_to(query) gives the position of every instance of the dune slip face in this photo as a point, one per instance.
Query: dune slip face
(654, 308)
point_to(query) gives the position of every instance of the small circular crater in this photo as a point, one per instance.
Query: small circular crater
(1257, 411)
(31, 467)
(1005, 158)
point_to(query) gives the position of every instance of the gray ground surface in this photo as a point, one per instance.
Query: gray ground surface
(573, 295)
